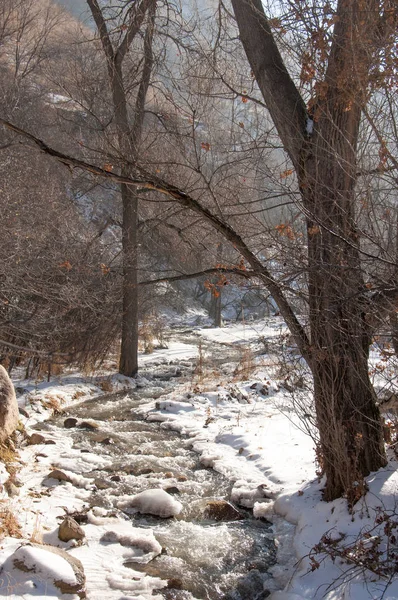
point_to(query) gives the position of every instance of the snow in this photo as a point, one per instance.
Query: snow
(310, 126)
(174, 352)
(246, 430)
(240, 333)
(153, 502)
(37, 560)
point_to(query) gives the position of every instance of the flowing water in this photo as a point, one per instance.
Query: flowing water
(201, 558)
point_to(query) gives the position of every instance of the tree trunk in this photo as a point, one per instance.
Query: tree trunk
(350, 427)
(323, 146)
(129, 139)
(128, 364)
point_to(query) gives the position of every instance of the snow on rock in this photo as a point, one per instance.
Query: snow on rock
(248, 493)
(153, 502)
(175, 407)
(44, 566)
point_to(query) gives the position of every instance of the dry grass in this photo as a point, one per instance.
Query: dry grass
(106, 385)
(53, 403)
(9, 525)
(37, 533)
(9, 457)
(246, 365)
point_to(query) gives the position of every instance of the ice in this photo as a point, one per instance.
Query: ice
(145, 546)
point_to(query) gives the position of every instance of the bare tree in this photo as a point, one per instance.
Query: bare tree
(129, 136)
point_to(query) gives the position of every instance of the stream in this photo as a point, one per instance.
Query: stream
(202, 558)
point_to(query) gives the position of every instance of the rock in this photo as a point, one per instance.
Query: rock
(9, 413)
(174, 583)
(137, 471)
(11, 489)
(100, 484)
(116, 478)
(65, 571)
(36, 438)
(23, 412)
(103, 439)
(59, 475)
(220, 510)
(70, 530)
(89, 425)
(182, 478)
(172, 490)
(70, 422)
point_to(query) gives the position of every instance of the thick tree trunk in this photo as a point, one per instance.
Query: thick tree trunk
(322, 147)
(351, 434)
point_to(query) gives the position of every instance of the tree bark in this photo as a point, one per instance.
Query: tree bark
(351, 435)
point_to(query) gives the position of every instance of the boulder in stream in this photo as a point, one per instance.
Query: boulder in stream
(221, 510)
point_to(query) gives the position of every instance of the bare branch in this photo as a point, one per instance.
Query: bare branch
(216, 270)
(148, 181)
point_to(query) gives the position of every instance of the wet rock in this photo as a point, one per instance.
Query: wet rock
(172, 490)
(70, 422)
(101, 484)
(23, 412)
(137, 471)
(103, 439)
(220, 510)
(9, 413)
(182, 478)
(38, 560)
(174, 583)
(116, 478)
(59, 476)
(37, 439)
(251, 586)
(89, 425)
(70, 530)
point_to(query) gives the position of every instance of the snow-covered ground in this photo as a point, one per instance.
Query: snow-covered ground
(245, 429)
